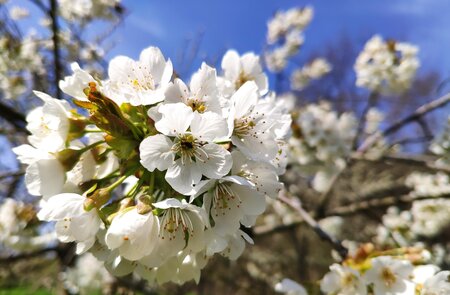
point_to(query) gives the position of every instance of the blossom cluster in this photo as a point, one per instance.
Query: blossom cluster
(285, 34)
(18, 227)
(321, 140)
(81, 10)
(397, 271)
(426, 218)
(161, 174)
(87, 276)
(300, 78)
(18, 63)
(386, 67)
(424, 184)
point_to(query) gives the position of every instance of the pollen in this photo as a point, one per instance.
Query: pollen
(196, 105)
(388, 276)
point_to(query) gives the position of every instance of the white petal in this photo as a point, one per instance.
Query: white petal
(183, 178)
(203, 82)
(45, 177)
(208, 126)
(218, 163)
(62, 206)
(231, 64)
(176, 92)
(119, 68)
(168, 203)
(245, 98)
(153, 59)
(155, 152)
(27, 154)
(176, 118)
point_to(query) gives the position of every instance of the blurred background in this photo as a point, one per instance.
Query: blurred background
(39, 39)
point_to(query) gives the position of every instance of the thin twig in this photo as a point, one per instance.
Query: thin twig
(11, 174)
(53, 13)
(371, 102)
(25, 256)
(414, 160)
(415, 116)
(296, 205)
(325, 197)
(14, 117)
(411, 140)
(379, 203)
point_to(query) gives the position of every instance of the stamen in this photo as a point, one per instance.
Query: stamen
(175, 219)
(223, 197)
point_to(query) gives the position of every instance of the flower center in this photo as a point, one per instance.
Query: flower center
(196, 105)
(348, 280)
(388, 276)
(223, 197)
(243, 77)
(189, 149)
(243, 127)
(173, 220)
(141, 79)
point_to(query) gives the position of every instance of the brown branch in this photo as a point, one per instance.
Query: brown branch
(367, 205)
(371, 102)
(296, 205)
(7, 260)
(11, 174)
(414, 160)
(13, 117)
(415, 116)
(325, 197)
(53, 13)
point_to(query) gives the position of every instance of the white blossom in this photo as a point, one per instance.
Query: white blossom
(439, 284)
(316, 69)
(240, 69)
(390, 276)
(142, 82)
(290, 287)
(73, 222)
(133, 234)
(343, 280)
(386, 67)
(190, 154)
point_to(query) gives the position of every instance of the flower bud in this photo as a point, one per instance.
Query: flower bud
(76, 127)
(69, 158)
(99, 198)
(144, 204)
(125, 203)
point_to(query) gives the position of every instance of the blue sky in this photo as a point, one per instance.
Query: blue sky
(242, 25)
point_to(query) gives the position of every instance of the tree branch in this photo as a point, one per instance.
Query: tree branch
(371, 102)
(415, 116)
(296, 205)
(13, 117)
(414, 160)
(7, 260)
(11, 174)
(53, 13)
(367, 205)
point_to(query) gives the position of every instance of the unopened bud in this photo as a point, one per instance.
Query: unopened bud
(144, 204)
(69, 158)
(125, 203)
(89, 204)
(100, 197)
(76, 127)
